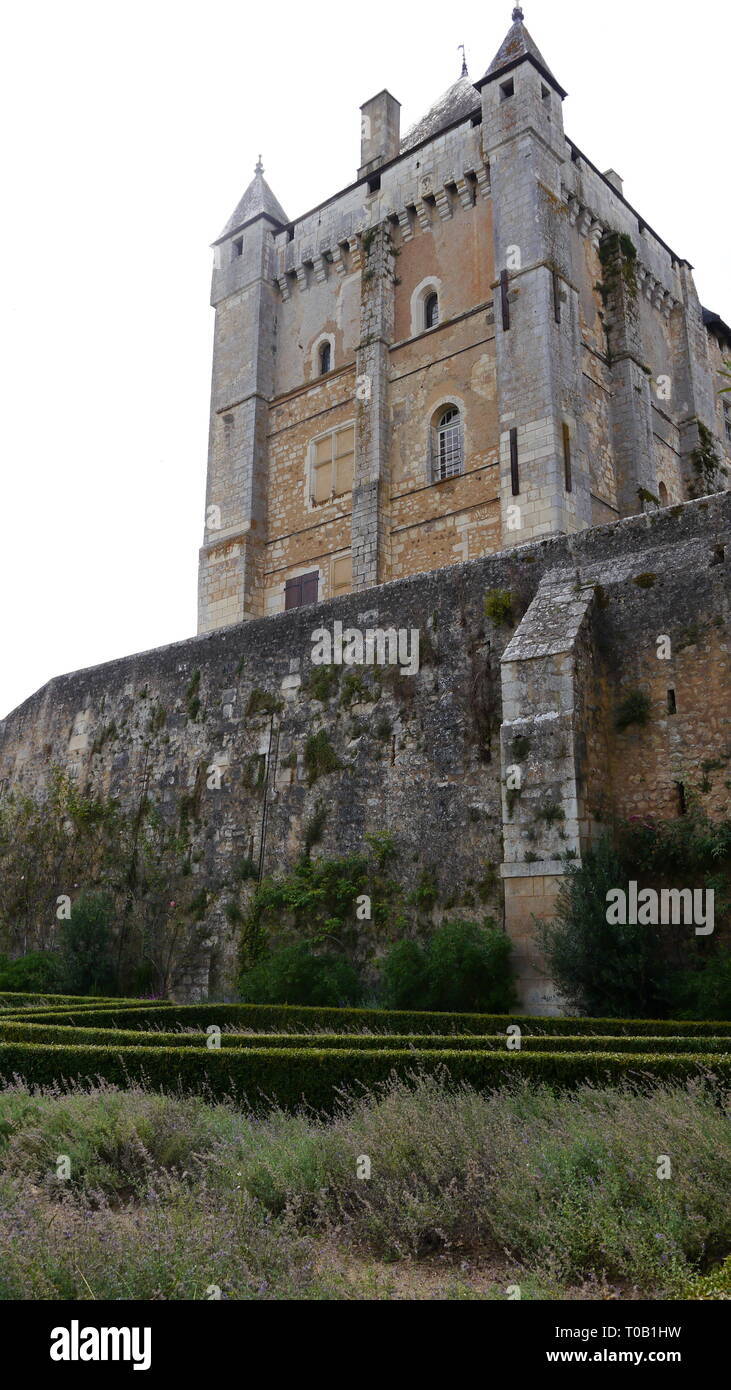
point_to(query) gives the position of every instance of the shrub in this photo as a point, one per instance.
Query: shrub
(469, 967)
(705, 993)
(318, 1077)
(405, 976)
(634, 709)
(37, 972)
(86, 945)
(498, 606)
(295, 975)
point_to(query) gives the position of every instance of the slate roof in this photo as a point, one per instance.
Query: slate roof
(458, 102)
(257, 200)
(517, 45)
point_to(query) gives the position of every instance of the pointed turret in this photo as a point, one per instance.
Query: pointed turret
(258, 201)
(518, 47)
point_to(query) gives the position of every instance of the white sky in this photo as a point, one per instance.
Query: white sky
(130, 134)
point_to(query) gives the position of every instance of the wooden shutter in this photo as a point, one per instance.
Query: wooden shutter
(342, 575)
(344, 454)
(310, 586)
(322, 470)
(301, 590)
(293, 593)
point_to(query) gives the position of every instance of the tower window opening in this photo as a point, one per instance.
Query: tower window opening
(507, 89)
(680, 791)
(431, 311)
(567, 456)
(672, 704)
(448, 451)
(325, 358)
(545, 94)
(237, 248)
(663, 492)
(727, 418)
(374, 183)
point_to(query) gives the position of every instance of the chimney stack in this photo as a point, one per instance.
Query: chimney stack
(380, 120)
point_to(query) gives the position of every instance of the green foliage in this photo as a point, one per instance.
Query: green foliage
(262, 702)
(463, 966)
(498, 607)
(295, 975)
(355, 691)
(323, 682)
(520, 747)
(469, 967)
(258, 1018)
(405, 976)
(635, 708)
(289, 1076)
(643, 970)
(86, 945)
(320, 757)
(37, 972)
(75, 843)
(710, 472)
(192, 696)
(645, 581)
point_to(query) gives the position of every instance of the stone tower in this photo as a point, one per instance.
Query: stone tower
(477, 343)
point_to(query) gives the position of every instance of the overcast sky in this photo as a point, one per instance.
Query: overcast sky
(130, 134)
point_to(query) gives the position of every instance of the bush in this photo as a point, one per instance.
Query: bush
(705, 993)
(38, 972)
(284, 1018)
(469, 968)
(317, 1077)
(464, 966)
(86, 945)
(405, 976)
(295, 975)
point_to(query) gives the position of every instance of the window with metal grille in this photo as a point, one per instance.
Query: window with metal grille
(332, 464)
(431, 311)
(301, 590)
(448, 445)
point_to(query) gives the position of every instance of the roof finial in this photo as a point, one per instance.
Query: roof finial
(517, 14)
(464, 72)
(259, 166)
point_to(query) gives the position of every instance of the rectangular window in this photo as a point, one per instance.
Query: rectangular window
(342, 575)
(566, 456)
(237, 248)
(727, 418)
(514, 471)
(301, 590)
(504, 301)
(507, 89)
(332, 464)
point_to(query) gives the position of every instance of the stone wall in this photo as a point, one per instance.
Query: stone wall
(426, 757)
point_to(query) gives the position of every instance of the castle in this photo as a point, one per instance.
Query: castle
(477, 343)
(473, 395)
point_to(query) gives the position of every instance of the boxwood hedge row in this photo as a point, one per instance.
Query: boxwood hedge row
(290, 1076)
(51, 1033)
(290, 1018)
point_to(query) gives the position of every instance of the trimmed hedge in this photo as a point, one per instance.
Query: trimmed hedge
(11, 1000)
(291, 1076)
(42, 1034)
(289, 1018)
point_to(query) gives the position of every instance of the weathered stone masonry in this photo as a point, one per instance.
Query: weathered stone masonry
(587, 610)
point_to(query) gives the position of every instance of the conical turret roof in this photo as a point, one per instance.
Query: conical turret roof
(258, 201)
(515, 48)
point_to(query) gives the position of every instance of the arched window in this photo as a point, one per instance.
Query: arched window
(448, 444)
(431, 311)
(663, 495)
(325, 358)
